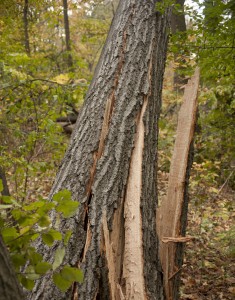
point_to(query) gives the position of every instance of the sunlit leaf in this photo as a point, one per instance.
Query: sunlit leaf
(61, 283)
(59, 256)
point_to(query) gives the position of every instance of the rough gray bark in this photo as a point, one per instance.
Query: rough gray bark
(124, 99)
(9, 286)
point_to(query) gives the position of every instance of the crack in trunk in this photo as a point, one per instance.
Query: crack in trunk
(133, 255)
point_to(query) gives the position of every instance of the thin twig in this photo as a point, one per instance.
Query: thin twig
(224, 184)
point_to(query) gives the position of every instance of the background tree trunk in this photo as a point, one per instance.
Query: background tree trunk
(178, 24)
(5, 191)
(9, 286)
(178, 19)
(26, 27)
(67, 34)
(110, 166)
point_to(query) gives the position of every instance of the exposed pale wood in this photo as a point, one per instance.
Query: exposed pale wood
(88, 241)
(169, 215)
(180, 239)
(133, 255)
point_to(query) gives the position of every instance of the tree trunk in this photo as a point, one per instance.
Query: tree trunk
(9, 286)
(178, 24)
(26, 27)
(5, 191)
(178, 20)
(67, 34)
(110, 166)
(211, 20)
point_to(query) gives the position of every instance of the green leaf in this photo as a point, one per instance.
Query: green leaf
(52, 235)
(67, 237)
(13, 201)
(35, 257)
(44, 221)
(33, 206)
(63, 195)
(33, 276)
(68, 208)
(34, 236)
(30, 273)
(61, 283)
(42, 267)
(5, 206)
(27, 283)
(9, 234)
(45, 208)
(47, 239)
(17, 214)
(55, 234)
(72, 274)
(59, 256)
(18, 260)
(26, 220)
(6, 199)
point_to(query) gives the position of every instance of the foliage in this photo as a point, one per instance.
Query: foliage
(22, 224)
(216, 140)
(209, 43)
(35, 90)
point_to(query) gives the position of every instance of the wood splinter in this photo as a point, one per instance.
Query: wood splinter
(171, 216)
(180, 239)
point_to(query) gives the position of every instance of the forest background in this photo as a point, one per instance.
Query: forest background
(46, 64)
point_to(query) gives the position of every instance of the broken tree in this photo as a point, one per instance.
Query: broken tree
(172, 214)
(110, 166)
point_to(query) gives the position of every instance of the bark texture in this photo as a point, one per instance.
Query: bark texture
(110, 166)
(9, 286)
(172, 215)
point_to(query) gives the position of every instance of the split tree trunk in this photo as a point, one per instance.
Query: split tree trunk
(110, 166)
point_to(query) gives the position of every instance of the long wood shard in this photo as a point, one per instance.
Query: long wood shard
(133, 256)
(169, 215)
